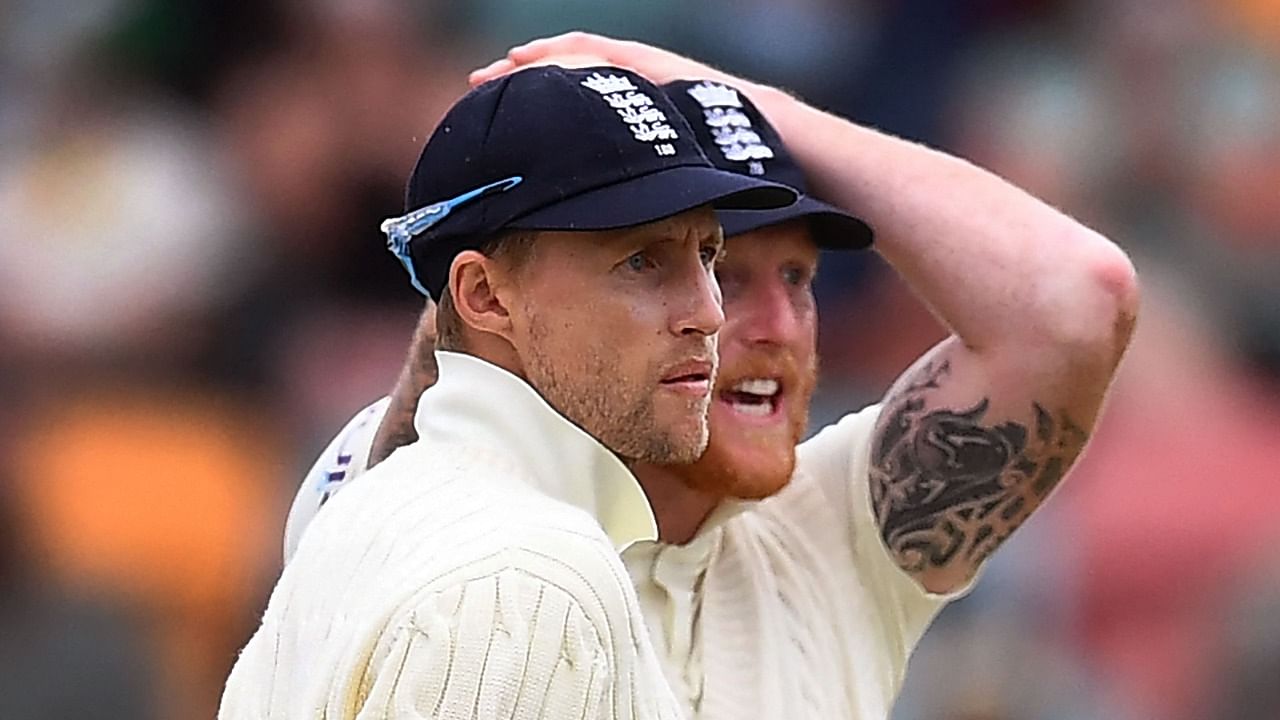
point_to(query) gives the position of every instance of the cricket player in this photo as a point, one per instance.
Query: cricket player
(794, 581)
(563, 221)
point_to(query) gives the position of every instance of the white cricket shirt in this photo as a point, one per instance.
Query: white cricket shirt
(474, 574)
(783, 608)
(790, 607)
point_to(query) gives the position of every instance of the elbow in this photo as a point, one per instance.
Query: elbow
(1116, 279)
(1101, 305)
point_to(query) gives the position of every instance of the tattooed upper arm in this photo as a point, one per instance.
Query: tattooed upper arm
(951, 480)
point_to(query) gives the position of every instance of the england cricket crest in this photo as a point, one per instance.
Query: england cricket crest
(647, 123)
(730, 127)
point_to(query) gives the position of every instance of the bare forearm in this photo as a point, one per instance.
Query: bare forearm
(1002, 269)
(978, 432)
(997, 265)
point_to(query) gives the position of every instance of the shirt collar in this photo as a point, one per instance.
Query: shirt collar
(475, 402)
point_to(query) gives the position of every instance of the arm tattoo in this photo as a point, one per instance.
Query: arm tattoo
(947, 487)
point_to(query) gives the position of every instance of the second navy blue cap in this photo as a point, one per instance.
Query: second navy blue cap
(550, 148)
(737, 137)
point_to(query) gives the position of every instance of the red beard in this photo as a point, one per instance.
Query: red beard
(751, 460)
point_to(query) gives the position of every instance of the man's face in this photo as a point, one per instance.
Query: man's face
(617, 330)
(768, 363)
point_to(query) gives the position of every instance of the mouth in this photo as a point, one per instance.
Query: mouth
(692, 377)
(756, 397)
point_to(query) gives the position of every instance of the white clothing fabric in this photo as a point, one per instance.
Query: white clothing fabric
(474, 574)
(346, 457)
(787, 607)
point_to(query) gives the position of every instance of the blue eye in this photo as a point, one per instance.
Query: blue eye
(639, 262)
(709, 254)
(794, 276)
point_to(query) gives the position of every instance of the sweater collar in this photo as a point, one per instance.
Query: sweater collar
(475, 402)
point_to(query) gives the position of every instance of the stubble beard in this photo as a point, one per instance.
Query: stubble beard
(619, 412)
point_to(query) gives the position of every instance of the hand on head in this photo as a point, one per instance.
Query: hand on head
(506, 65)
(581, 49)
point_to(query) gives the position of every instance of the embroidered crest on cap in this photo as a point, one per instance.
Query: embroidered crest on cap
(734, 136)
(647, 123)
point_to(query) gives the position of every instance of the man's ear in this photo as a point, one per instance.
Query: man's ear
(478, 287)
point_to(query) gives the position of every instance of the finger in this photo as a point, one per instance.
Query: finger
(569, 61)
(573, 43)
(529, 51)
(493, 70)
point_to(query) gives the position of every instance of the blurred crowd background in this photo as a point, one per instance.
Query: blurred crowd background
(194, 296)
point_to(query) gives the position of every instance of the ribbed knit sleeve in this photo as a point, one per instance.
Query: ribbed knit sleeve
(461, 593)
(505, 646)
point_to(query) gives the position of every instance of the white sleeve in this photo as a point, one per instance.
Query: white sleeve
(345, 459)
(839, 458)
(508, 645)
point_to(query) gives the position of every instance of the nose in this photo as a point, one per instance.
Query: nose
(767, 316)
(702, 312)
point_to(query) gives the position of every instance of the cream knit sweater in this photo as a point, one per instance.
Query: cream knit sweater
(474, 575)
(786, 608)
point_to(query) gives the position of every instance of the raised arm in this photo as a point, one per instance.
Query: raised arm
(976, 434)
(980, 430)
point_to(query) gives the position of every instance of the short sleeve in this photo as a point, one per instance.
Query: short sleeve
(345, 459)
(839, 459)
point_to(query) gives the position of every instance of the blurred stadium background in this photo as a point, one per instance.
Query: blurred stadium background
(194, 296)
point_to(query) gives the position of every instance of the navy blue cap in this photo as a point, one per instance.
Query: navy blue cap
(550, 148)
(736, 136)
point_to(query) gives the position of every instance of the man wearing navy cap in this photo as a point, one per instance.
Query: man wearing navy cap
(562, 219)
(807, 603)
